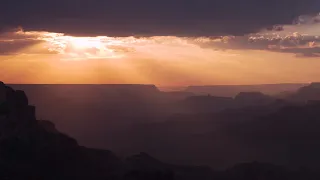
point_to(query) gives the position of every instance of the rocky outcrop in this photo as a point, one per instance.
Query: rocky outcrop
(15, 112)
(32, 149)
(48, 126)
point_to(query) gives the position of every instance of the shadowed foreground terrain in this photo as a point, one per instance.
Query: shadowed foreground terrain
(35, 149)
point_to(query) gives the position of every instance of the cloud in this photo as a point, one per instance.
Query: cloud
(15, 46)
(301, 38)
(304, 52)
(192, 18)
(17, 41)
(66, 47)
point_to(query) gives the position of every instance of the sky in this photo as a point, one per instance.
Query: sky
(167, 43)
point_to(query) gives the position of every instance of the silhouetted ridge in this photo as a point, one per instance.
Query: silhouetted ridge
(31, 149)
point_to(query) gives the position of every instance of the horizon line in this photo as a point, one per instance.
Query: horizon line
(146, 84)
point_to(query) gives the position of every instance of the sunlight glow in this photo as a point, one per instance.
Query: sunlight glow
(42, 57)
(76, 48)
(79, 48)
(104, 47)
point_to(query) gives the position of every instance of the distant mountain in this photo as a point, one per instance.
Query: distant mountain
(307, 93)
(233, 90)
(210, 104)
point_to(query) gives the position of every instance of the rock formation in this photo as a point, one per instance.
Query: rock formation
(31, 149)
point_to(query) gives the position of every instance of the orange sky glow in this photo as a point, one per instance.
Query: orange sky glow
(46, 57)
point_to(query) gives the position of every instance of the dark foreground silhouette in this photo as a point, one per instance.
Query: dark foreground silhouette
(35, 149)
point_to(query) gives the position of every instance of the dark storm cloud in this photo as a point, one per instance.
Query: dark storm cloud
(151, 17)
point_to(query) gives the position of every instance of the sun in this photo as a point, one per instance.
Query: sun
(81, 48)
(85, 42)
